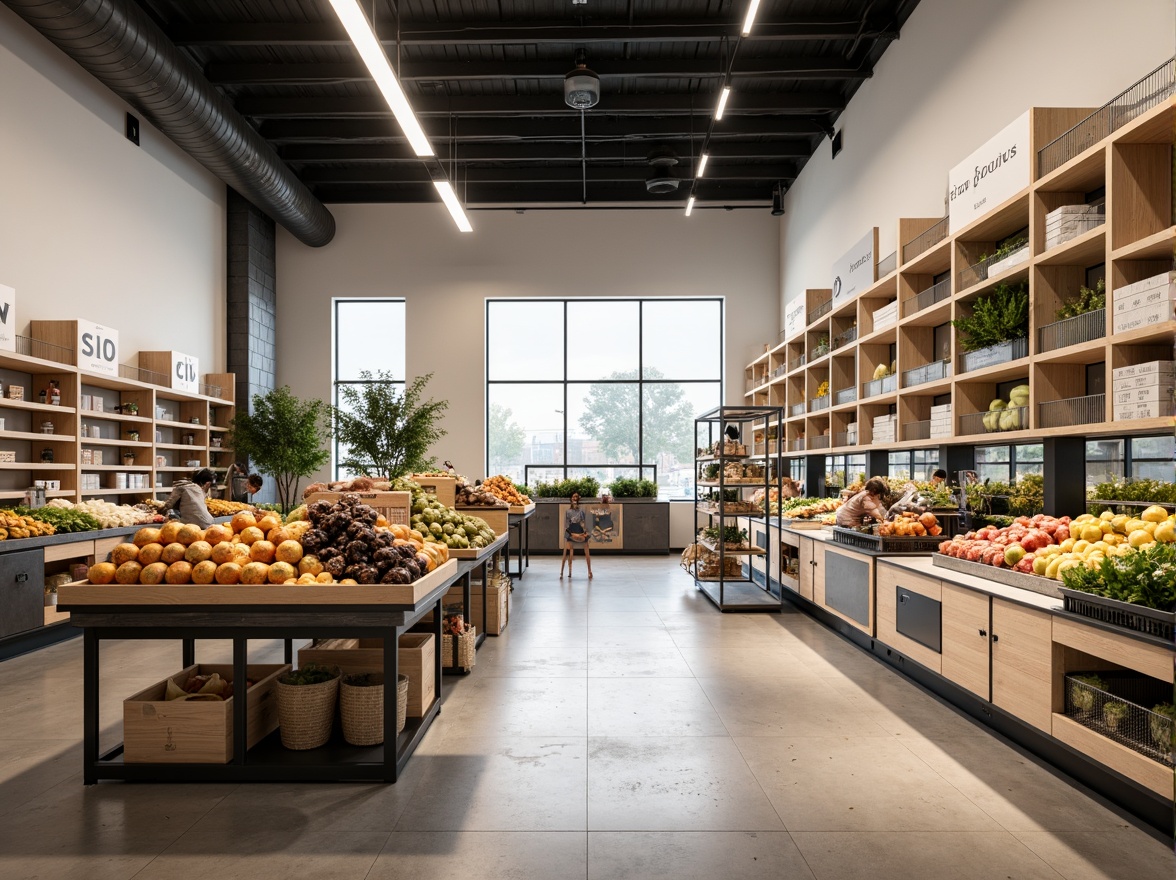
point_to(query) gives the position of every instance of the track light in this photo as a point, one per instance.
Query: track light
(777, 201)
(369, 48)
(750, 20)
(702, 164)
(689, 206)
(723, 96)
(449, 197)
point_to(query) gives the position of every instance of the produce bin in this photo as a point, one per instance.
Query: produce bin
(1121, 710)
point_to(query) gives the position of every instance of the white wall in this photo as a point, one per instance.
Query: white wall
(960, 72)
(92, 226)
(414, 251)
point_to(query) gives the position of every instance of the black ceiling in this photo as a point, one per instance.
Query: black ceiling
(486, 78)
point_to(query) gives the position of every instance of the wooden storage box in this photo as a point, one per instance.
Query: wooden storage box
(445, 488)
(416, 658)
(498, 600)
(159, 731)
(396, 506)
(498, 518)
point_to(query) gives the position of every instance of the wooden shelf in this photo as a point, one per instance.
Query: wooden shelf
(109, 441)
(36, 466)
(49, 493)
(181, 446)
(130, 468)
(186, 425)
(34, 406)
(1160, 246)
(36, 435)
(746, 551)
(97, 493)
(113, 416)
(1084, 250)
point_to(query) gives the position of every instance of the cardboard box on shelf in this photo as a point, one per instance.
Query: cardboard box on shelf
(1144, 395)
(1156, 409)
(1151, 368)
(1147, 316)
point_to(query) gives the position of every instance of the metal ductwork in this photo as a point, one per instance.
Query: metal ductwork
(124, 49)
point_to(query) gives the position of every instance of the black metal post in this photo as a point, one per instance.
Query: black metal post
(240, 700)
(391, 669)
(187, 653)
(1065, 475)
(90, 718)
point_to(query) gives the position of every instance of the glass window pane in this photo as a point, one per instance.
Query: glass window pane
(1104, 461)
(369, 335)
(536, 410)
(603, 339)
(669, 410)
(604, 423)
(996, 472)
(991, 454)
(682, 339)
(1153, 447)
(1030, 452)
(1152, 470)
(537, 333)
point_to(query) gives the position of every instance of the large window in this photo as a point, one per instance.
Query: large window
(1009, 463)
(913, 464)
(369, 337)
(600, 387)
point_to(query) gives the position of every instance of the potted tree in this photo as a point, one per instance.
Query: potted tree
(387, 432)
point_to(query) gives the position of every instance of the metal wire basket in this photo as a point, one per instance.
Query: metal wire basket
(1114, 704)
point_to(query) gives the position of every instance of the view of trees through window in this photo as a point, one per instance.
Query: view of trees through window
(604, 388)
(369, 337)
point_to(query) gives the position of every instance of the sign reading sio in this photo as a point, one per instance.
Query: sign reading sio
(794, 317)
(97, 348)
(856, 270)
(993, 174)
(185, 372)
(7, 318)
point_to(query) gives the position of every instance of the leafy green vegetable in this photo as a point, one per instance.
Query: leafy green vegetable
(1086, 300)
(1146, 577)
(61, 519)
(999, 316)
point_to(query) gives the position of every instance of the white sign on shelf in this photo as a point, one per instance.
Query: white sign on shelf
(794, 317)
(185, 372)
(856, 270)
(7, 318)
(97, 348)
(993, 174)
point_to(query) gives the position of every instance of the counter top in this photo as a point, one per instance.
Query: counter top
(825, 536)
(924, 566)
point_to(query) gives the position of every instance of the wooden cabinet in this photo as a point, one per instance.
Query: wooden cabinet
(897, 588)
(818, 567)
(966, 632)
(1022, 662)
(807, 564)
(846, 582)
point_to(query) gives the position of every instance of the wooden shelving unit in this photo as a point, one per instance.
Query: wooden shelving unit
(102, 431)
(938, 278)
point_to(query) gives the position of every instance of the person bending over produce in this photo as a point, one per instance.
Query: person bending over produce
(867, 502)
(187, 498)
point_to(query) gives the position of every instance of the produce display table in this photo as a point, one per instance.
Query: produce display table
(268, 761)
(520, 524)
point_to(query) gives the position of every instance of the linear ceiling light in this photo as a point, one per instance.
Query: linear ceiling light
(750, 20)
(449, 197)
(689, 206)
(723, 96)
(702, 164)
(372, 53)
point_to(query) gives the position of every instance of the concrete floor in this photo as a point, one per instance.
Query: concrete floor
(621, 728)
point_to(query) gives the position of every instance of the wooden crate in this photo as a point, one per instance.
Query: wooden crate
(498, 612)
(445, 488)
(415, 658)
(85, 594)
(498, 518)
(521, 508)
(396, 506)
(158, 731)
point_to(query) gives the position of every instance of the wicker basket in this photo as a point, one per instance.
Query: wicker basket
(459, 652)
(306, 713)
(362, 709)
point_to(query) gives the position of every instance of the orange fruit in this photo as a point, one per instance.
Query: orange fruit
(198, 551)
(146, 536)
(214, 534)
(243, 520)
(124, 553)
(262, 551)
(289, 551)
(252, 535)
(150, 553)
(228, 573)
(169, 532)
(222, 553)
(278, 534)
(153, 574)
(282, 572)
(255, 573)
(179, 573)
(310, 565)
(128, 573)
(324, 577)
(204, 572)
(173, 552)
(102, 573)
(267, 522)
(189, 534)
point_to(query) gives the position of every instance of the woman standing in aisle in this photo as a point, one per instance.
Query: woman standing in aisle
(575, 533)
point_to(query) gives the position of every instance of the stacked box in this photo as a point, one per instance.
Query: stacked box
(851, 431)
(941, 420)
(1013, 259)
(1144, 391)
(886, 315)
(885, 429)
(1070, 221)
(1145, 303)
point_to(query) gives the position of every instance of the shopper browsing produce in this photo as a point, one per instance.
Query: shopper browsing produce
(575, 534)
(187, 498)
(867, 502)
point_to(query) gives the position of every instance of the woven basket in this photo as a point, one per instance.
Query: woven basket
(459, 651)
(362, 710)
(306, 713)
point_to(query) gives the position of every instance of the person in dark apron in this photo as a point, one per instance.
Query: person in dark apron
(575, 535)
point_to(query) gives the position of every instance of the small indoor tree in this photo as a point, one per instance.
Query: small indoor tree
(284, 437)
(384, 431)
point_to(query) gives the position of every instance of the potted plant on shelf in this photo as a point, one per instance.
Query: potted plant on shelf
(1082, 690)
(822, 346)
(1162, 723)
(1113, 713)
(306, 705)
(633, 490)
(588, 488)
(1009, 254)
(998, 328)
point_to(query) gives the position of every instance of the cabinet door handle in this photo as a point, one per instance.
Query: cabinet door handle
(995, 637)
(983, 632)
(902, 597)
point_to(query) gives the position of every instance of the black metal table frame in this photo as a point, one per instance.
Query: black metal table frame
(241, 623)
(465, 569)
(522, 522)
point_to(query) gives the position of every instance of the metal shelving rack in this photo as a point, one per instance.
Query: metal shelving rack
(739, 593)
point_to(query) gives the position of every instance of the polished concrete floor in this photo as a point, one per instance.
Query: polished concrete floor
(620, 728)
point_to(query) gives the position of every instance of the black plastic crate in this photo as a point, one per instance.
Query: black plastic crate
(887, 544)
(1121, 710)
(1137, 618)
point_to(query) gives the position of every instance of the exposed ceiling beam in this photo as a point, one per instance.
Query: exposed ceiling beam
(568, 194)
(553, 129)
(563, 32)
(542, 174)
(312, 154)
(754, 104)
(243, 74)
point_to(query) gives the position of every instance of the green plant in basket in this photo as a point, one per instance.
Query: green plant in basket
(363, 679)
(725, 534)
(1163, 726)
(1082, 698)
(1113, 714)
(311, 673)
(1086, 300)
(997, 317)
